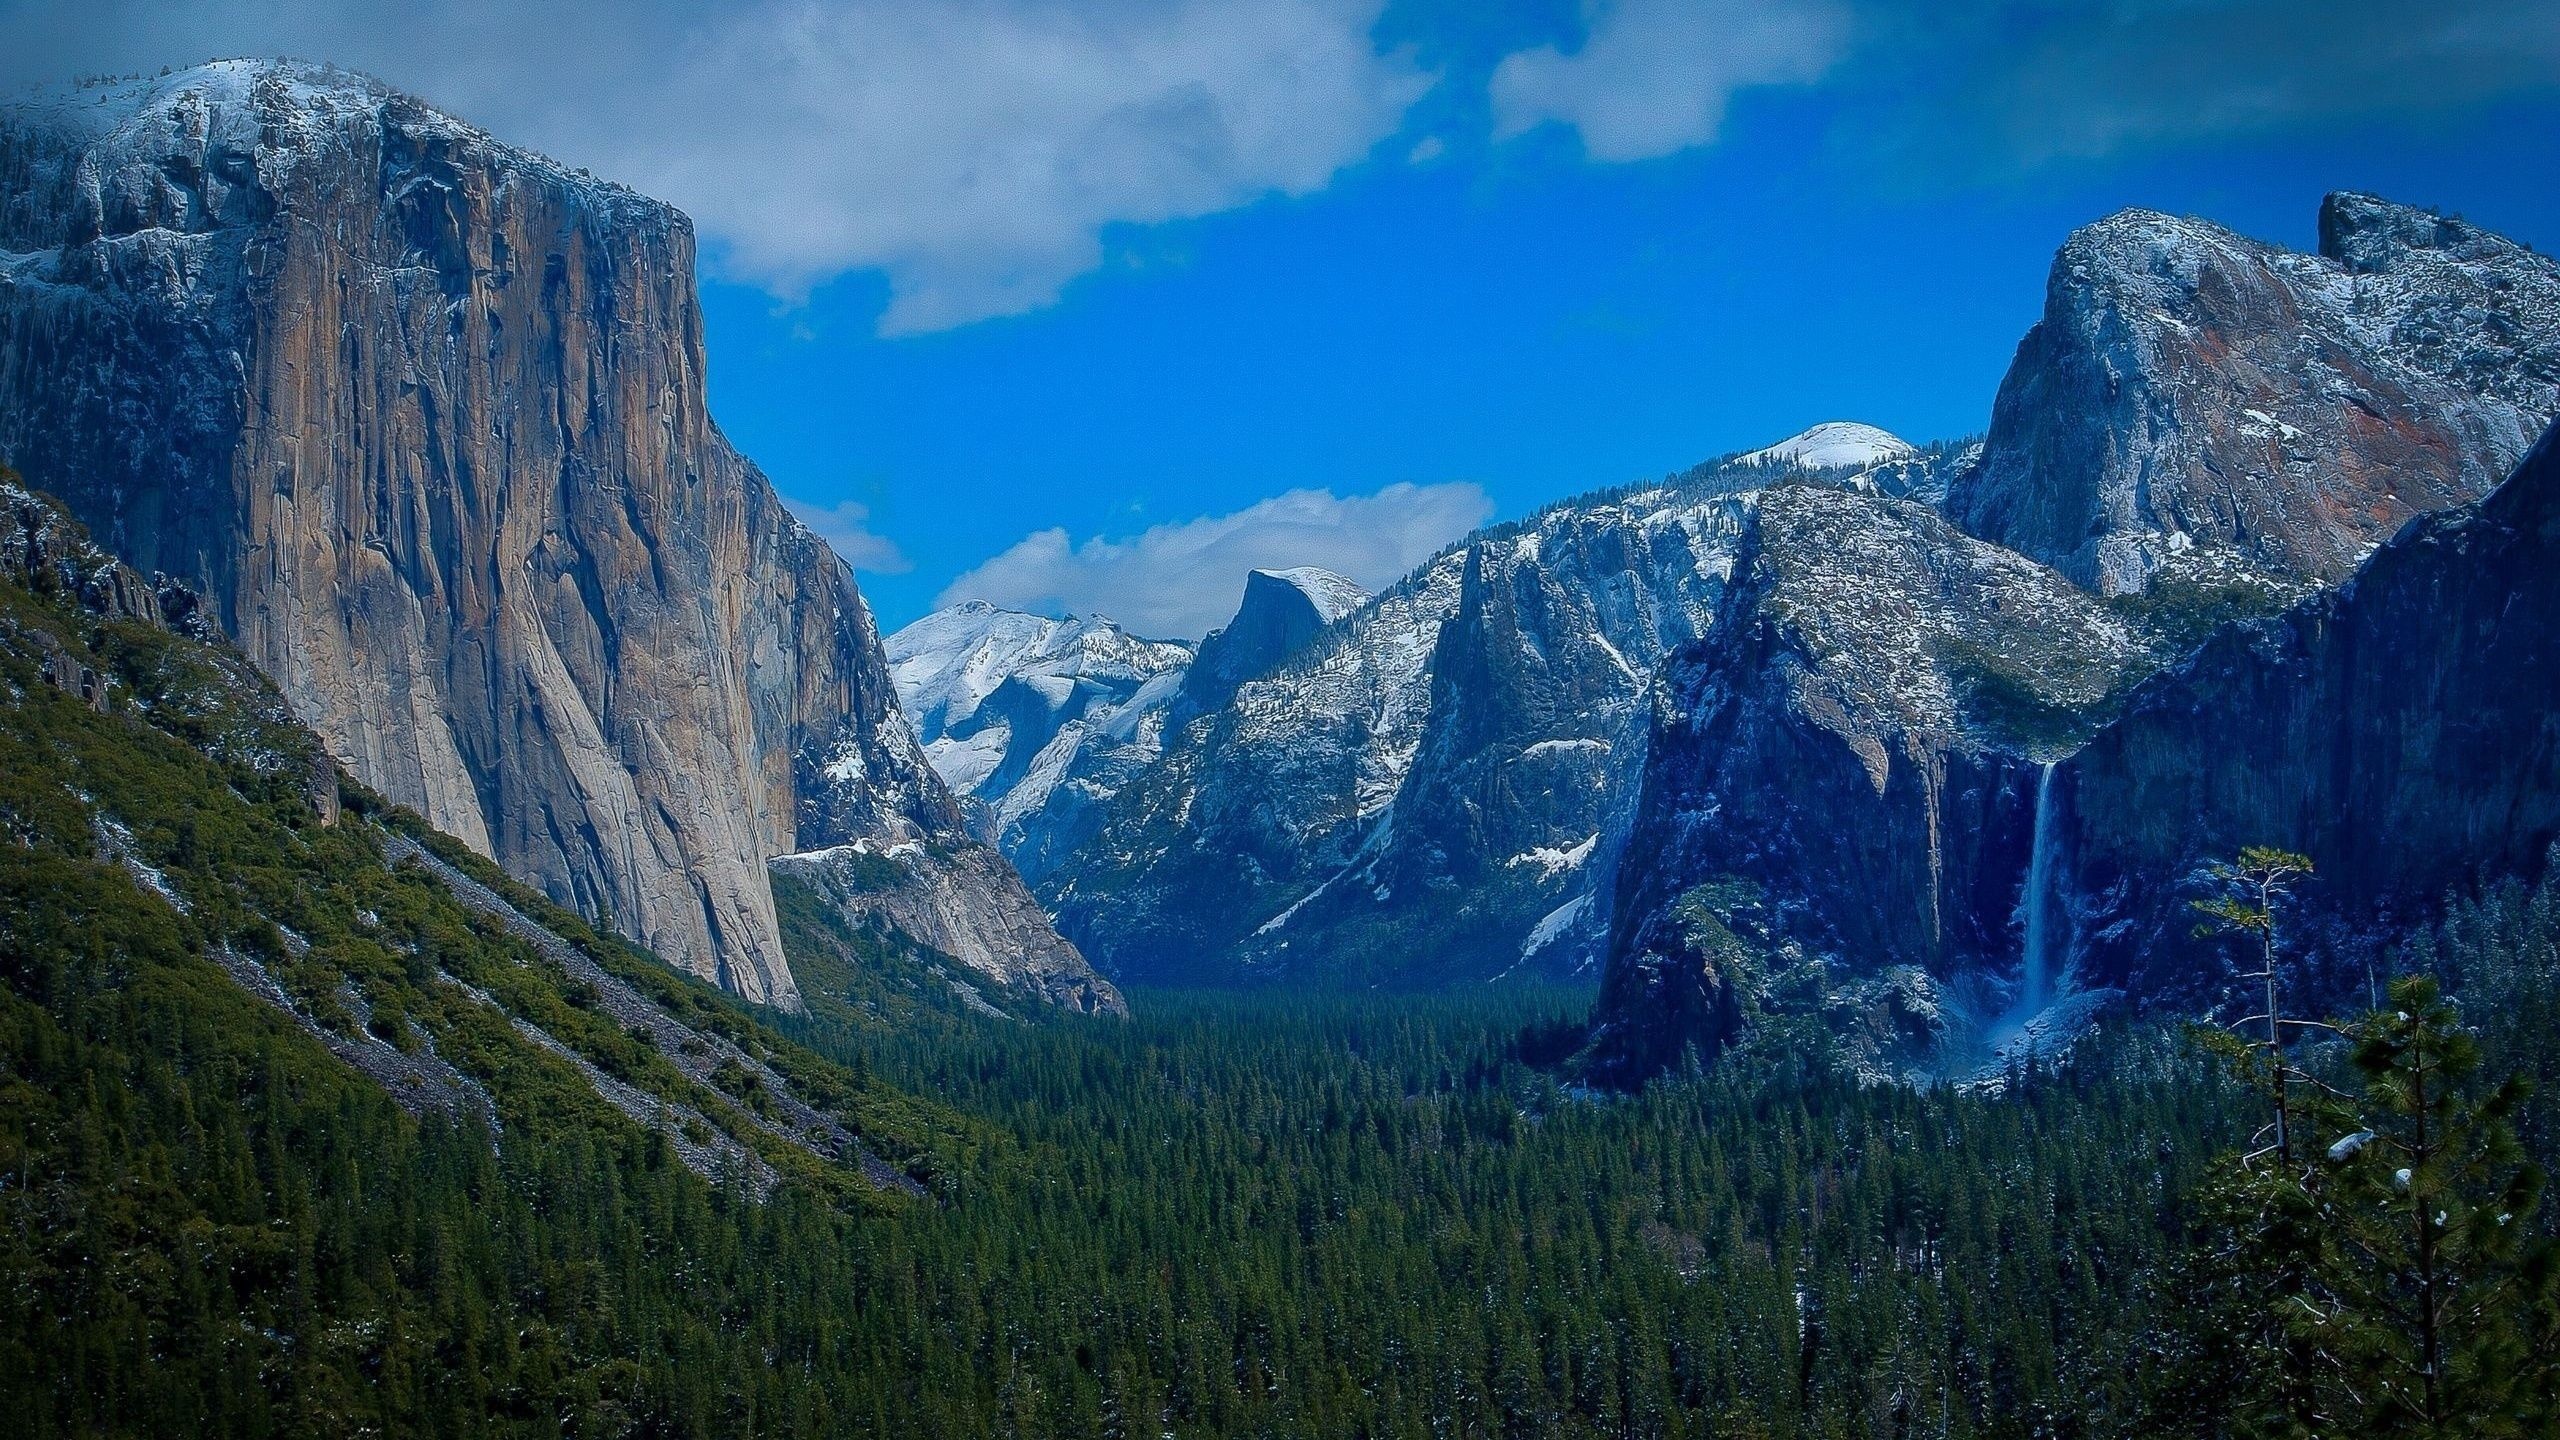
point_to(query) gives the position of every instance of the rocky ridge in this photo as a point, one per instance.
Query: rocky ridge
(2403, 731)
(955, 903)
(2195, 397)
(1948, 820)
(1838, 788)
(1420, 793)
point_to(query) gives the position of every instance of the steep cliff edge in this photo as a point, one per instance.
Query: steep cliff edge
(2403, 731)
(2190, 393)
(959, 901)
(1281, 611)
(422, 416)
(1839, 786)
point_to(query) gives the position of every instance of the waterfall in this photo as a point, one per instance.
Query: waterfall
(2047, 925)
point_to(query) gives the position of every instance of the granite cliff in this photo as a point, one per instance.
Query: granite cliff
(1865, 802)
(1840, 782)
(1281, 611)
(421, 415)
(2403, 731)
(1424, 792)
(2195, 397)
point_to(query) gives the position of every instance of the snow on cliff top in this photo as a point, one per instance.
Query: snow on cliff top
(272, 109)
(1334, 596)
(1834, 445)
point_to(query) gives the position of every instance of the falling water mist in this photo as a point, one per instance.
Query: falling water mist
(2047, 926)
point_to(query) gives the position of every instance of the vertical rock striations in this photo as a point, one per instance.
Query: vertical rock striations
(422, 415)
(2403, 731)
(2193, 398)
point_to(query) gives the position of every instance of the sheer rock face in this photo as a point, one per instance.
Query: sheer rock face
(2191, 391)
(2403, 731)
(422, 416)
(1430, 790)
(1853, 746)
(1282, 610)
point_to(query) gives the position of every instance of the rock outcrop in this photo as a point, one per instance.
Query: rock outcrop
(422, 417)
(2403, 731)
(1281, 611)
(959, 901)
(2192, 397)
(1425, 792)
(1841, 776)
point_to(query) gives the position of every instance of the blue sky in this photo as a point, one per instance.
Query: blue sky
(1514, 317)
(1091, 304)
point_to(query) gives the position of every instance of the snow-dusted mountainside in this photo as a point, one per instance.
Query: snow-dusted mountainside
(2193, 397)
(1845, 767)
(1033, 720)
(1037, 723)
(1420, 794)
(1281, 611)
(1860, 797)
(421, 415)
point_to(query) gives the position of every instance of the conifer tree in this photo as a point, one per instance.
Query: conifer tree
(2393, 1284)
(2251, 887)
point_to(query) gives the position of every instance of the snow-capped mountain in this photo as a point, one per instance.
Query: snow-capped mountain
(1037, 723)
(1281, 610)
(1834, 445)
(1033, 719)
(1419, 794)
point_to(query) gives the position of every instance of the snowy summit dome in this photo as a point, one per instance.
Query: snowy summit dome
(1835, 445)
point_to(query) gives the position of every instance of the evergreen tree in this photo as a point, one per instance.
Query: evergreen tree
(2393, 1283)
(2251, 887)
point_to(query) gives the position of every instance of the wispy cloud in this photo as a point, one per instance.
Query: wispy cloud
(1986, 87)
(972, 152)
(2014, 82)
(1182, 580)
(846, 526)
(1654, 76)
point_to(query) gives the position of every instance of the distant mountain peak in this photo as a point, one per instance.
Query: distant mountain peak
(1281, 610)
(1332, 595)
(1835, 445)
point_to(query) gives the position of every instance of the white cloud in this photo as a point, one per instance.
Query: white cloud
(971, 151)
(847, 527)
(1654, 76)
(1183, 579)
